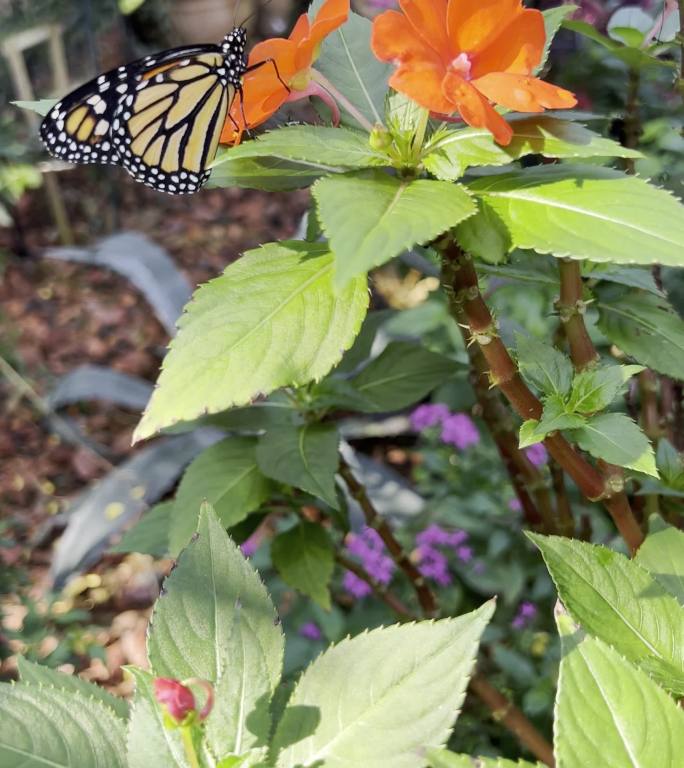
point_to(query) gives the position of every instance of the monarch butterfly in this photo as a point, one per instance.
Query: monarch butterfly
(159, 117)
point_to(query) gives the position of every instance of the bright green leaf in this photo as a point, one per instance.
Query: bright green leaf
(401, 708)
(228, 477)
(389, 215)
(268, 173)
(304, 557)
(553, 20)
(615, 438)
(596, 388)
(609, 713)
(618, 601)
(587, 212)
(484, 236)
(306, 457)
(544, 366)
(670, 464)
(442, 758)
(271, 320)
(150, 535)
(645, 327)
(38, 674)
(400, 376)
(662, 555)
(129, 6)
(41, 726)
(459, 150)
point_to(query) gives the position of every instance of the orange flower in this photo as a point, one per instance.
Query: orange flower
(462, 55)
(263, 88)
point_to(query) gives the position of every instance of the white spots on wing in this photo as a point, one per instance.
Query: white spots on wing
(101, 128)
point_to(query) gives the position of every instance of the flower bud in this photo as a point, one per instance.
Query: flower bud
(175, 697)
(380, 138)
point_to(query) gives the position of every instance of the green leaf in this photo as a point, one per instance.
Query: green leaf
(670, 464)
(150, 744)
(442, 758)
(42, 726)
(150, 535)
(400, 376)
(306, 457)
(555, 417)
(485, 236)
(42, 107)
(38, 674)
(587, 213)
(615, 438)
(553, 20)
(453, 154)
(323, 147)
(271, 320)
(595, 389)
(616, 600)
(268, 173)
(544, 366)
(378, 699)
(662, 555)
(347, 61)
(371, 217)
(216, 622)
(645, 327)
(228, 477)
(304, 557)
(608, 713)
(129, 6)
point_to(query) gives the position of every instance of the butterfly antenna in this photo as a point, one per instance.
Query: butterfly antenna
(255, 12)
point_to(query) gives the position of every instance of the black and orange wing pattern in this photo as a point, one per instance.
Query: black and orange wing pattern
(160, 117)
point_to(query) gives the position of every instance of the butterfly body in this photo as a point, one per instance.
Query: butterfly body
(159, 117)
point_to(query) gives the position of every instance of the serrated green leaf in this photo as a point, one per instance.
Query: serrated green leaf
(618, 601)
(459, 150)
(442, 758)
(544, 366)
(587, 212)
(615, 438)
(555, 417)
(662, 555)
(271, 320)
(633, 277)
(670, 464)
(149, 743)
(645, 327)
(610, 713)
(226, 475)
(389, 215)
(553, 20)
(38, 674)
(324, 148)
(402, 707)
(150, 535)
(400, 376)
(528, 434)
(347, 61)
(485, 236)
(595, 389)
(267, 173)
(214, 604)
(42, 726)
(306, 457)
(41, 107)
(304, 557)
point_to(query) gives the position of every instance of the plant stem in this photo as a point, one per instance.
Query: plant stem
(189, 745)
(505, 712)
(461, 284)
(426, 597)
(571, 307)
(380, 590)
(341, 99)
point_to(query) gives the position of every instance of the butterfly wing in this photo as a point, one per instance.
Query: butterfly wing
(167, 127)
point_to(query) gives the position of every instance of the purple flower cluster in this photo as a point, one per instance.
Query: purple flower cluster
(310, 631)
(458, 429)
(527, 612)
(537, 455)
(432, 562)
(368, 547)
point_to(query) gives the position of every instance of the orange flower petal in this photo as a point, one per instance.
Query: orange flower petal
(282, 51)
(523, 93)
(333, 14)
(428, 19)
(301, 29)
(517, 47)
(394, 39)
(422, 82)
(475, 109)
(471, 23)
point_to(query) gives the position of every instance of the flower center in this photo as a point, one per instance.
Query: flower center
(300, 82)
(462, 65)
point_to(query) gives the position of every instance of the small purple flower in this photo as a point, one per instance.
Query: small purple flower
(434, 565)
(514, 505)
(528, 610)
(355, 586)
(479, 567)
(428, 415)
(435, 535)
(464, 554)
(311, 631)
(537, 455)
(250, 545)
(459, 430)
(526, 614)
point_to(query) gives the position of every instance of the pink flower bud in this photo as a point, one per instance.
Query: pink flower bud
(175, 697)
